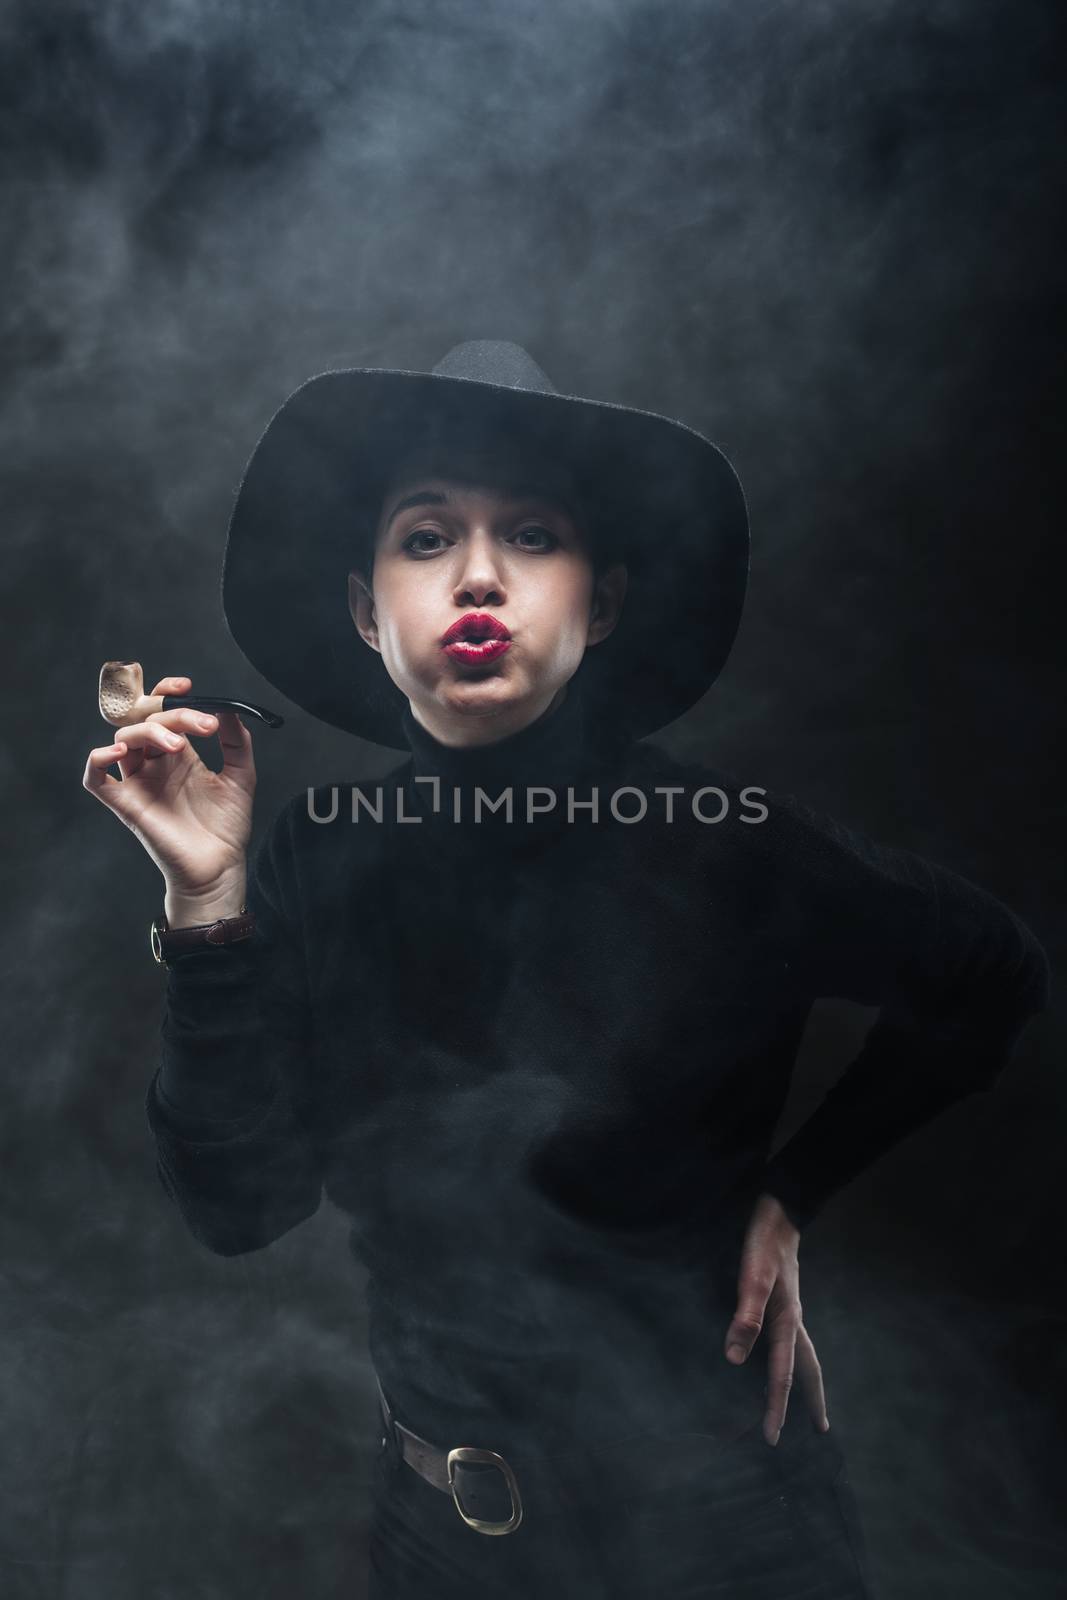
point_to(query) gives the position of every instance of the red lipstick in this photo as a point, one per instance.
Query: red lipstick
(476, 637)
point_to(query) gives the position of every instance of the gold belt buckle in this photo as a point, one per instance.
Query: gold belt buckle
(467, 1452)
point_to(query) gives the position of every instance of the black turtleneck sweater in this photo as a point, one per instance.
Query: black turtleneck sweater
(539, 1062)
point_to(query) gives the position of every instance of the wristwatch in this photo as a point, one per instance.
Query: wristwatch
(167, 941)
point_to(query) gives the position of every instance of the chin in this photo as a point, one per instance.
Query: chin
(469, 694)
(472, 695)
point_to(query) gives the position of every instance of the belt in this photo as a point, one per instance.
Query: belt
(557, 1481)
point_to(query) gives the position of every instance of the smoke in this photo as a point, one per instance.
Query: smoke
(820, 234)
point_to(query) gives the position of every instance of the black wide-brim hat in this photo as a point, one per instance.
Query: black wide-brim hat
(663, 497)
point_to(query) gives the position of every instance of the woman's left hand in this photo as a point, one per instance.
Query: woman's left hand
(768, 1296)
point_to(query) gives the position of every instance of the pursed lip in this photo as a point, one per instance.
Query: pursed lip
(474, 627)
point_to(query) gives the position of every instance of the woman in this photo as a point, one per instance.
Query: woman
(528, 1007)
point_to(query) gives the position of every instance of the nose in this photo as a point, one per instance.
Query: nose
(480, 581)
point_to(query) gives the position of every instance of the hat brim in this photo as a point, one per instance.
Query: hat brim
(668, 496)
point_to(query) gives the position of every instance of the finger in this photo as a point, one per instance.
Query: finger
(753, 1292)
(236, 742)
(780, 1363)
(96, 777)
(176, 685)
(148, 741)
(809, 1374)
(152, 737)
(185, 719)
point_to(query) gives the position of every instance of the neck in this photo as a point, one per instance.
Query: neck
(456, 730)
(560, 747)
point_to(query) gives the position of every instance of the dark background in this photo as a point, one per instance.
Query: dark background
(823, 235)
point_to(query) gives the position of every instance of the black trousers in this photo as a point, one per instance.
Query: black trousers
(753, 1523)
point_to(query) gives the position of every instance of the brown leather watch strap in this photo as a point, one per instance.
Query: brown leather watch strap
(167, 942)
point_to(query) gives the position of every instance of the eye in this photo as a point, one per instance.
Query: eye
(421, 550)
(546, 541)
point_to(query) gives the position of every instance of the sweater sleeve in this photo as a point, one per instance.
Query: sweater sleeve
(954, 973)
(227, 1106)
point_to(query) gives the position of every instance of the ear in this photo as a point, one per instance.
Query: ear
(606, 608)
(361, 609)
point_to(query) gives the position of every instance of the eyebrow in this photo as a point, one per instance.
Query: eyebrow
(518, 491)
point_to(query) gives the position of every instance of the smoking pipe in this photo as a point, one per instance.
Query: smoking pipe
(123, 700)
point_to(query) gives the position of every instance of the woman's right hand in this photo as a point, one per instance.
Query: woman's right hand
(194, 823)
